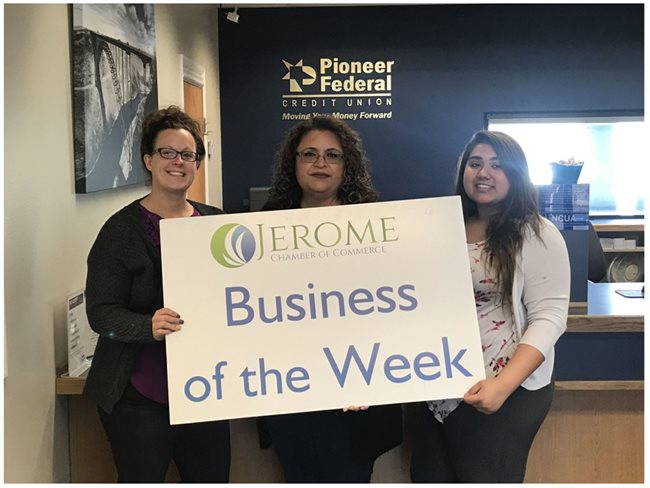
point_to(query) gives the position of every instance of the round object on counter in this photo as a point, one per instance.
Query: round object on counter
(626, 268)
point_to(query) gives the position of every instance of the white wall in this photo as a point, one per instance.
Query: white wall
(49, 229)
(192, 31)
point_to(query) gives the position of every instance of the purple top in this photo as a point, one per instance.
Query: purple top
(149, 376)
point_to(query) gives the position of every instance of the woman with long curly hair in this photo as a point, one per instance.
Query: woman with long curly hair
(304, 178)
(322, 162)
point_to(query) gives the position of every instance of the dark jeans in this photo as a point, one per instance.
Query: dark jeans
(316, 447)
(143, 443)
(471, 447)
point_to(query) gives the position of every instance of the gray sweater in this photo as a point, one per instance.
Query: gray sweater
(123, 290)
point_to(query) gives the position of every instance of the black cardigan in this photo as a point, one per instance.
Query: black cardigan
(123, 291)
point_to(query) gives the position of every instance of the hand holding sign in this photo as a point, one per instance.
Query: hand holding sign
(165, 321)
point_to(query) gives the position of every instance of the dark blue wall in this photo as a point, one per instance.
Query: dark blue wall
(453, 63)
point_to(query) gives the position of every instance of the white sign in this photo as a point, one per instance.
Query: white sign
(81, 338)
(316, 309)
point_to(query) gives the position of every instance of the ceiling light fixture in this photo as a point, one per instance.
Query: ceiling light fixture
(233, 16)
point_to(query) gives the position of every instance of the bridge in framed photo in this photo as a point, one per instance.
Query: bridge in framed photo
(114, 76)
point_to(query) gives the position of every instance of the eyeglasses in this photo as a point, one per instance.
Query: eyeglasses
(310, 156)
(169, 153)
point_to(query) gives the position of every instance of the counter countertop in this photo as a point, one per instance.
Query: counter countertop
(607, 311)
(602, 299)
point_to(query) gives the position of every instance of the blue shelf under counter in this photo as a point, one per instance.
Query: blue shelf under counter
(598, 356)
(605, 341)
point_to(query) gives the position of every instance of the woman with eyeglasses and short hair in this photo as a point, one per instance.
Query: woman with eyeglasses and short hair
(124, 302)
(322, 162)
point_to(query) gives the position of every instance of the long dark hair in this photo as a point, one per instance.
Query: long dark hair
(517, 211)
(356, 186)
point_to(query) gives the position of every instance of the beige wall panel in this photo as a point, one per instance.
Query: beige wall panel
(48, 229)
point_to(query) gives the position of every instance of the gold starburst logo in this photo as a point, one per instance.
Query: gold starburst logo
(299, 75)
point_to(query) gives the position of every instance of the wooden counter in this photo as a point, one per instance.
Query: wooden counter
(607, 311)
(593, 433)
(617, 225)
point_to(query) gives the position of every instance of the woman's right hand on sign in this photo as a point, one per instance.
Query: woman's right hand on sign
(165, 321)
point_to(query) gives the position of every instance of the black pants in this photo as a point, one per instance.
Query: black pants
(143, 443)
(316, 447)
(471, 447)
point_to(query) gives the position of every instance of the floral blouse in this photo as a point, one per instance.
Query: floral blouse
(498, 333)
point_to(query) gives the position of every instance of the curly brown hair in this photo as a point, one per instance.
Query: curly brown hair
(171, 117)
(356, 186)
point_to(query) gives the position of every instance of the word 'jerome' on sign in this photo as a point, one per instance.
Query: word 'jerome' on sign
(314, 309)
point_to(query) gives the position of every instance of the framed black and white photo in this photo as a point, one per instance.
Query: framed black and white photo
(114, 87)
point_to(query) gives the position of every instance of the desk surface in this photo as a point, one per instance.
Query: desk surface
(602, 299)
(607, 311)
